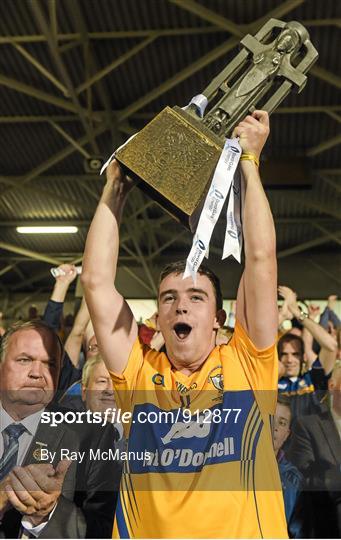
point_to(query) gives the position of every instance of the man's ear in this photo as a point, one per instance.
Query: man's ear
(157, 326)
(220, 319)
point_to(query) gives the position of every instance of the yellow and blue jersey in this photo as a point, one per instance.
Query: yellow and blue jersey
(305, 391)
(208, 469)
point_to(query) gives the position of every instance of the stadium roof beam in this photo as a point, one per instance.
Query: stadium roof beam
(30, 254)
(239, 31)
(331, 110)
(31, 91)
(325, 272)
(177, 78)
(331, 183)
(115, 64)
(70, 139)
(6, 269)
(323, 146)
(326, 76)
(74, 38)
(334, 116)
(229, 26)
(211, 16)
(307, 245)
(333, 236)
(90, 59)
(138, 279)
(200, 63)
(47, 30)
(33, 119)
(13, 182)
(56, 158)
(140, 258)
(42, 69)
(313, 204)
(280, 11)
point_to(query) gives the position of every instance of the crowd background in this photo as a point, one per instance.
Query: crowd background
(307, 423)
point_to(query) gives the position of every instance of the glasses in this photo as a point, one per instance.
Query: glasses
(93, 348)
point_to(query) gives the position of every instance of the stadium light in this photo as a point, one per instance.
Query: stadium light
(47, 230)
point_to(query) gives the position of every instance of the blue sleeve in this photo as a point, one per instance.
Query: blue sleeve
(334, 318)
(68, 375)
(324, 318)
(319, 379)
(53, 314)
(329, 315)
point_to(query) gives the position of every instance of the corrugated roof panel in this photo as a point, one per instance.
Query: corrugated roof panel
(25, 146)
(315, 9)
(34, 143)
(131, 14)
(15, 103)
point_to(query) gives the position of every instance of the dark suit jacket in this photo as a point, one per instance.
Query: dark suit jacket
(316, 452)
(87, 504)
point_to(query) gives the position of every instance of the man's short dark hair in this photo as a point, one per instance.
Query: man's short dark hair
(296, 341)
(178, 267)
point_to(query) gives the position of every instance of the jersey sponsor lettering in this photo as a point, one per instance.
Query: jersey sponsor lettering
(187, 430)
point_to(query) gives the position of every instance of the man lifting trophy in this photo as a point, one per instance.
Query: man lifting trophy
(215, 478)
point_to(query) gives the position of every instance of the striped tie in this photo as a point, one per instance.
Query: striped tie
(10, 455)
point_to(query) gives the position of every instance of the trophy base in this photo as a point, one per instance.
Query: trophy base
(174, 158)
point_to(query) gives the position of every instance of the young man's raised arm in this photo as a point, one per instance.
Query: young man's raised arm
(257, 295)
(114, 324)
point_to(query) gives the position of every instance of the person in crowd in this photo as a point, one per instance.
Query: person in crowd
(77, 335)
(69, 390)
(98, 394)
(52, 317)
(291, 478)
(224, 335)
(196, 481)
(316, 451)
(57, 498)
(329, 319)
(149, 335)
(32, 313)
(305, 387)
(81, 333)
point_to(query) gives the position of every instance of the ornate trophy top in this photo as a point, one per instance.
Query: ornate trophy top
(269, 65)
(175, 155)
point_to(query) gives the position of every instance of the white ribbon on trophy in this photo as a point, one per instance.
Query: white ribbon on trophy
(221, 186)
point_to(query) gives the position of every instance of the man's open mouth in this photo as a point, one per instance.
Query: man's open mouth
(182, 330)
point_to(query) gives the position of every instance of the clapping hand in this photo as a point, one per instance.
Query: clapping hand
(35, 489)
